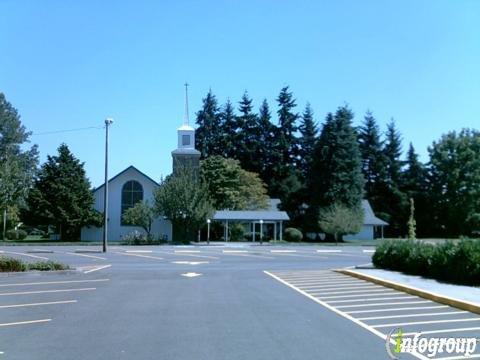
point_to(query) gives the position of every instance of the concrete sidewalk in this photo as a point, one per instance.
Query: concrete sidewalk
(467, 294)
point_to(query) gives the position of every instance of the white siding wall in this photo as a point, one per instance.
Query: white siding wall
(115, 230)
(365, 234)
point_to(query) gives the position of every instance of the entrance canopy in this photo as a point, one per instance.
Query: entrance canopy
(253, 217)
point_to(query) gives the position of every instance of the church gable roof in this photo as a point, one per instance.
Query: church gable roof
(131, 167)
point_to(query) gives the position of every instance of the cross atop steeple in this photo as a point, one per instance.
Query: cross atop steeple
(186, 120)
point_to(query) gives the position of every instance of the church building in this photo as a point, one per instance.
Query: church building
(131, 185)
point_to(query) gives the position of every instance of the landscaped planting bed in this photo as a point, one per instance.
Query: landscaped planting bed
(457, 263)
(10, 264)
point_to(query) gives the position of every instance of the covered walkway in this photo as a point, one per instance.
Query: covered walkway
(253, 217)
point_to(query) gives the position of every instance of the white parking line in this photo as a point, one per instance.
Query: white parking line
(364, 297)
(283, 251)
(142, 256)
(398, 309)
(53, 282)
(413, 315)
(391, 303)
(97, 268)
(338, 312)
(344, 288)
(45, 291)
(250, 255)
(38, 304)
(85, 255)
(374, 299)
(28, 255)
(329, 251)
(368, 251)
(234, 251)
(187, 251)
(333, 285)
(354, 293)
(186, 254)
(26, 322)
(139, 251)
(425, 322)
(443, 331)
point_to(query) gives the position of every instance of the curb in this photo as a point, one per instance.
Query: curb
(463, 305)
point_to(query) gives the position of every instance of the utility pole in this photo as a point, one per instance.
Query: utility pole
(108, 122)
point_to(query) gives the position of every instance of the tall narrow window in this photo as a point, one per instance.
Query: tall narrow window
(132, 192)
(185, 140)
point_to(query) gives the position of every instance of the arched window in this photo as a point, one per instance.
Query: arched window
(132, 192)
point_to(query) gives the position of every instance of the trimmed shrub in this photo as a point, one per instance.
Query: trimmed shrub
(16, 234)
(137, 238)
(9, 264)
(293, 235)
(237, 232)
(47, 266)
(457, 263)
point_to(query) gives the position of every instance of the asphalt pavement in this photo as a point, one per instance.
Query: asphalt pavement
(193, 302)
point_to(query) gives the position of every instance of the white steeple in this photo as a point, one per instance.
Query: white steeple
(186, 133)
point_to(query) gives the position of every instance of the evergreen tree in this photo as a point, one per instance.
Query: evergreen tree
(228, 132)
(337, 168)
(248, 135)
(268, 155)
(18, 163)
(285, 172)
(62, 196)
(393, 153)
(373, 158)
(208, 139)
(308, 130)
(394, 207)
(287, 119)
(415, 186)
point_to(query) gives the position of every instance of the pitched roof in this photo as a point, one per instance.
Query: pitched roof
(369, 215)
(251, 215)
(124, 171)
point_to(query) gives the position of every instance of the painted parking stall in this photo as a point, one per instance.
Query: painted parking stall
(388, 313)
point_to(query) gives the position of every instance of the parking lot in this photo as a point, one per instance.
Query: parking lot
(215, 302)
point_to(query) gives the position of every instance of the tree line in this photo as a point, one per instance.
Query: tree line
(321, 173)
(312, 167)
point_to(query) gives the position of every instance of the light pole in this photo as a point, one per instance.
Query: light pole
(208, 231)
(261, 232)
(108, 122)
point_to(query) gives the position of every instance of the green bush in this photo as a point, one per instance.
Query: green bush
(9, 264)
(457, 263)
(293, 235)
(138, 238)
(47, 266)
(16, 234)
(237, 232)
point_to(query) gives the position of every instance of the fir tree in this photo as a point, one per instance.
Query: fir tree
(308, 130)
(208, 138)
(415, 186)
(374, 162)
(62, 196)
(248, 135)
(337, 168)
(267, 149)
(394, 207)
(228, 126)
(285, 173)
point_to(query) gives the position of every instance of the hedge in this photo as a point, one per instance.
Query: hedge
(457, 263)
(16, 234)
(10, 264)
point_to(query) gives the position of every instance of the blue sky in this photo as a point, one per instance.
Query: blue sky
(69, 64)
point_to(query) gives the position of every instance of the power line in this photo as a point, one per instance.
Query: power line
(66, 130)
